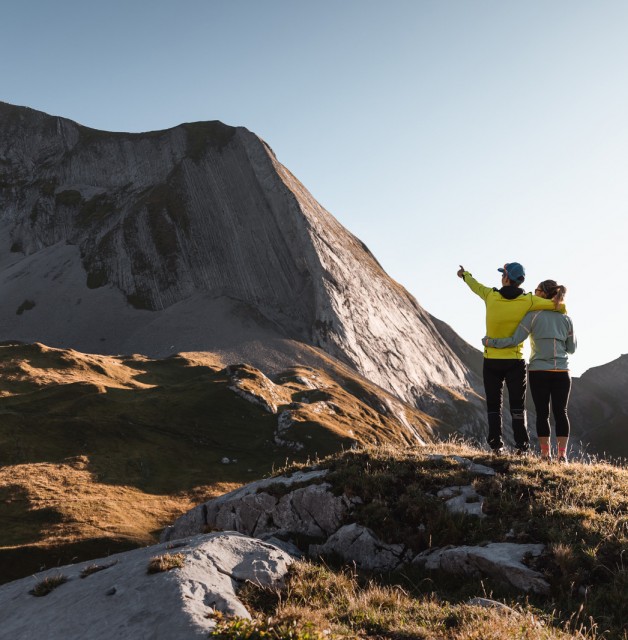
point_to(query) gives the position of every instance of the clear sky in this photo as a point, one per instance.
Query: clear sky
(439, 132)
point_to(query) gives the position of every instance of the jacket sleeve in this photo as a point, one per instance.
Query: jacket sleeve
(475, 286)
(537, 303)
(571, 344)
(520, 334)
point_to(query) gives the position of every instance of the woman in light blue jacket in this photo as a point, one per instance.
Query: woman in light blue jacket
(552, 338)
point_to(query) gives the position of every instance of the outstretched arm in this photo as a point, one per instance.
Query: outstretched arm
(473, 284)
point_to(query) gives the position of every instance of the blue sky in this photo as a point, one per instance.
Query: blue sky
(439, 132)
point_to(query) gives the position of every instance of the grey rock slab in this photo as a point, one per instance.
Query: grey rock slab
(254, 511)
(473, 467)
(311, 510)
(463, 499)
(355, 543)
(124, 602)
(500, 560)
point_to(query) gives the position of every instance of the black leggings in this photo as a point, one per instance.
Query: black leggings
(554, 386)
(496, 372)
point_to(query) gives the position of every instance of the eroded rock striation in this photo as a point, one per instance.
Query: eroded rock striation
(196, 238)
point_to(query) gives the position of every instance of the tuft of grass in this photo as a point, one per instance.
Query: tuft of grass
(48, 584)
(166, 562)
(94, 568)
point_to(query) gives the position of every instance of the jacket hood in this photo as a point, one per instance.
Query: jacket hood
(510, 292)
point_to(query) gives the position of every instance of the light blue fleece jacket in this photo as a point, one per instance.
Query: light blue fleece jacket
(551, 339)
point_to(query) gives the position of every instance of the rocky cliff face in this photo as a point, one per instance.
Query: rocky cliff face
(196, 238)
(598, 409)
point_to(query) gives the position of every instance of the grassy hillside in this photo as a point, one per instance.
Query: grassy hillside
(98, 453)
(579, 511)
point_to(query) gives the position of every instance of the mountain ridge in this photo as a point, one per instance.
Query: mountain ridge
(116, 243)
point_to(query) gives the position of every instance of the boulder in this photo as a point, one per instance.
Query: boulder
(500, 560)
(269, 507)
(357, 544)
(117, 597)
(473, 467)
(463, 500)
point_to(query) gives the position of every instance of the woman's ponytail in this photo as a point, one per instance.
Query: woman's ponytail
(554, 290)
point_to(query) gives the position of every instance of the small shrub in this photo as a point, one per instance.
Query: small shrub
(45, 586)
(166, 562)
(27, 305)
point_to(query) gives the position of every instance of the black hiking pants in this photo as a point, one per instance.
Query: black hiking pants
(553, 386)
(513, 373)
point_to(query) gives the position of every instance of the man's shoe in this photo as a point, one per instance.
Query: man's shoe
(562, 460)
(498, 452)
(522, 451)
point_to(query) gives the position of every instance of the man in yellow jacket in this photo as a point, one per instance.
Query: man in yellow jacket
(505, 308)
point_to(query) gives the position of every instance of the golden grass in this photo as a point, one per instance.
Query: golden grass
(342, 604)
(165, 562)
(99, 453)
(84, 506)
(48, 584)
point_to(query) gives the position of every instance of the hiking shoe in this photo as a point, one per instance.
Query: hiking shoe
(562, 460)
(498, 452)
(522, 451)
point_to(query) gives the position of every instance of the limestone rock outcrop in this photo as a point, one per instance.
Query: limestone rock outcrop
(500, 560)
(360, 546)
(159, 592)
(301, 514)
(299, 505)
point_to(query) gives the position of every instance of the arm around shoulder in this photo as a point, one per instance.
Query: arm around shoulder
(520, 334)
(538, 304)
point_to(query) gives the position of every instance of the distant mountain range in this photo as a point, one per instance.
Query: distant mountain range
(599, 409)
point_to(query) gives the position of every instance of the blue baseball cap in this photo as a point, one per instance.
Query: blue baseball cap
(514, 272)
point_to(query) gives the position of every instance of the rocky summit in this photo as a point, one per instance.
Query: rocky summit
(196, 238)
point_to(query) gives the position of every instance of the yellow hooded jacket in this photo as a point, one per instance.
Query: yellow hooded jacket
(504, 314)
